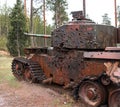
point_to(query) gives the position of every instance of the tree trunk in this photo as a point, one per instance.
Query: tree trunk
(18, 46)
(31, 23)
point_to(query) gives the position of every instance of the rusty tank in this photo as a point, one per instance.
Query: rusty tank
(83, 56)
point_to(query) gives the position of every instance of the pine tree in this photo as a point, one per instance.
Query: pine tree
(106, 19)
(16, 38)
(4, 20)
(59, 9)
(38, 26)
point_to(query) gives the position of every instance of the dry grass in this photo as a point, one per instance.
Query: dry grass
(3, 42)
(5, 72)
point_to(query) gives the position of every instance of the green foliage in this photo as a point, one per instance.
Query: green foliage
(38, 26)
(4, 20)
(16, 38)
(106, 19)
(38, 7)
(4, 26)
(38, 18)
(58, 7)
(49, 29)
(118, 15)
(3, 42)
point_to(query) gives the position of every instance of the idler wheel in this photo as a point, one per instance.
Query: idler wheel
(114, 98)
(18, 69)
(92, 93)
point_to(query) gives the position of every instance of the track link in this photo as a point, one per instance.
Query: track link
(25, 69)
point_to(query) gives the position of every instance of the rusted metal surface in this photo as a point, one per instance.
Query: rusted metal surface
(62, 66)
(102, 55)
(69, 68)
(93, 94)
(113, 71)
(37, 50)
(105, 80)
(48, 80)
(24, 69)
(114, 98)
(78, 15)
(112, 49)
(66, 67)
(81, 35)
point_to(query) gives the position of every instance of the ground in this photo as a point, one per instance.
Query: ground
(14, 93)
(33, 95)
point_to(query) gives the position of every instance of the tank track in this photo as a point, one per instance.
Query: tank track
(21, 65)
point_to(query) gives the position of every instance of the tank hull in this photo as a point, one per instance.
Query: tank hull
(66, 67)
(92, 74)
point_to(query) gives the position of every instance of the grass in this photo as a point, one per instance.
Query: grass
(5, 72)
(3, 42)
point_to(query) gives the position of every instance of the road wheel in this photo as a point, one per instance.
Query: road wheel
(114, 98)
(92, 93)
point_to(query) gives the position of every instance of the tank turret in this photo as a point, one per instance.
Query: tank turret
(82, 33)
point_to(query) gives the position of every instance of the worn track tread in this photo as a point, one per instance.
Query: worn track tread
(34, 67)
